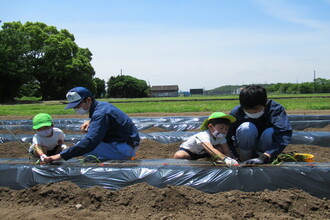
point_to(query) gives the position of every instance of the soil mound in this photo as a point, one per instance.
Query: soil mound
(66, 200)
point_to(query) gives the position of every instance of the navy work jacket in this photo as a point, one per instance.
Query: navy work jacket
(107, 124)
(274, 116)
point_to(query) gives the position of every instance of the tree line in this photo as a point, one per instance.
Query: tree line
(39, 60)
(319, 85)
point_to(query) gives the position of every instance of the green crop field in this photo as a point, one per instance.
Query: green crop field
(172, 105)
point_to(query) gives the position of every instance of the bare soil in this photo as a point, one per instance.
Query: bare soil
(65, 200)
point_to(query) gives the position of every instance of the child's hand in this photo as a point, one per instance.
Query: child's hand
(42, 157)
(63, 147)
(218, 161)
(230, 161)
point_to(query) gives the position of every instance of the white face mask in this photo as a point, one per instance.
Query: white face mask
(80, 111)
(217, 134)
(254, 115)
(45, 133)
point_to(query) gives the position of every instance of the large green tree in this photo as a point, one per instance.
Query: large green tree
(123, 86)
(13, 70)
(100, 87)
(49, 57)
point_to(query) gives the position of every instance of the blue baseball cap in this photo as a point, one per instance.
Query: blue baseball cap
(76, 95)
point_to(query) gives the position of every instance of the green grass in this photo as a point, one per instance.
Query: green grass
(305, 103)
(33, 109)
(187, 104)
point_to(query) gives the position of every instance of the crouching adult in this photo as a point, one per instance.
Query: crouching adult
(262, 129)
(110, 133)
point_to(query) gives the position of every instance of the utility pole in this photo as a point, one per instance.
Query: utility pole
(314, 82)
(121, 88)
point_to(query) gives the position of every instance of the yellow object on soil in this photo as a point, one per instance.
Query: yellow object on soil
(304, 157)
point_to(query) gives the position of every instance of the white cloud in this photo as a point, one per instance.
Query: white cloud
(288, 11)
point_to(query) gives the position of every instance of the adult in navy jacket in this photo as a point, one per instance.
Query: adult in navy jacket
(110, 133)
(262, 129)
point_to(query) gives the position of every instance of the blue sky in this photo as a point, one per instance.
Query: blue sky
(190, 43)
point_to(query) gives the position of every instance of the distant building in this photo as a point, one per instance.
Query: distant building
(237, 91)
(164, 91)
(197, 91)
(232, 90)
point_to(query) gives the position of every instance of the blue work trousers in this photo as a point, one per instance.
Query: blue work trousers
(249, 143)
(113, 151)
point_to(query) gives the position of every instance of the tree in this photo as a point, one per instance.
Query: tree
(283, 88)
(30, 89)
(306, 88)
(51, 58)
(322, 85)
(13, 74)
(123, 86)
(294, 89)
(100, 87)
(273, 88)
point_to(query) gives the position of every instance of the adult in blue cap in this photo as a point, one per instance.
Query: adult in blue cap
(110, 133)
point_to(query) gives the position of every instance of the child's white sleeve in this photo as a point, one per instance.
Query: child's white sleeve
(60, 134)
(31, 148)
(203, 137)
(35, 139)
(34, 142)
(61, 137)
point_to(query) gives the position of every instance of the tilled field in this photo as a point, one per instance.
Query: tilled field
(65, 200)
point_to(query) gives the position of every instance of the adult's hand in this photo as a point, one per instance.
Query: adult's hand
(254, 161)
(53, 158)
(84, 127)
